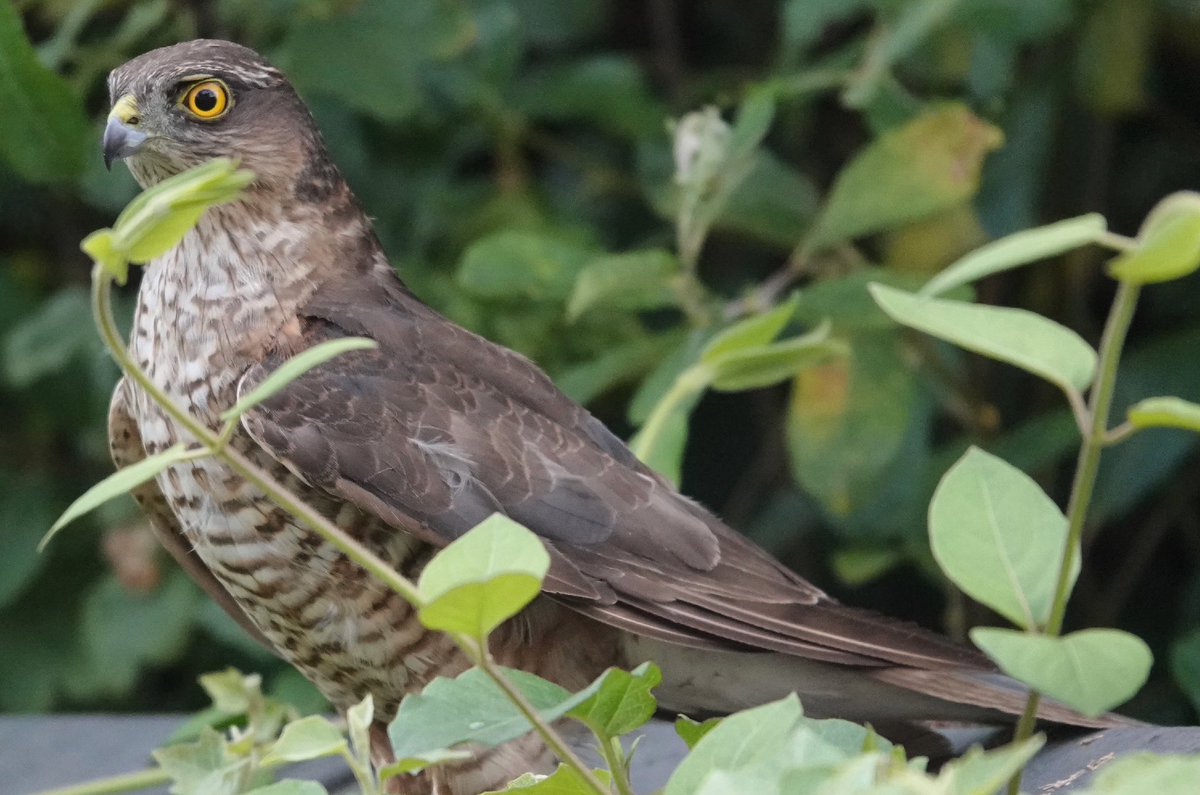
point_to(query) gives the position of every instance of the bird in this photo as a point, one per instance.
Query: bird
(409, 445)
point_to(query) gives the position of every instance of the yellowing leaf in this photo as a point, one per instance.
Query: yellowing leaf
(921, 168)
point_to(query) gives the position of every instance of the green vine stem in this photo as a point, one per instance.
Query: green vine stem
(126, 782)
(1095, 439)
(281, 496)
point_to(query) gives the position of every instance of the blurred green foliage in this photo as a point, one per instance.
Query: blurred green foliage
(525, 174)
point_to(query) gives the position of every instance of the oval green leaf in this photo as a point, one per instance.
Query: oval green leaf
(1015, 336)
(1092, 670)
(311, 737)
(1015, 250)
(483, 578)
(633, 281)
(1168, 243)
(999, 537)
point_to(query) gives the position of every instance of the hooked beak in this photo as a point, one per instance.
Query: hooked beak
(121, 139)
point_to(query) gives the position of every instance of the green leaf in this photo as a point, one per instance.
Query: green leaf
(1145, 772)
(1165, 412)
(471, 708)
(754, 368)
(1016, 336)
(979, 772)
(190, 764)
(617, 365)
(293, 368)
(44, 131)
(358, 726)
(124, 631)
(752, 332)
(852, 423)
(607, 91)
(1185, 665)
(520, 265)
(1020, 248)
(50, 338)
(999, 537)
(1168, 244)
(159, 217)
(740, 743)
(661, 440)
(923, 167)
(231, 691)
(563, 781)
(482, 578)
(307, 738)
(26, 507)
(290, 787)
(622, 702)
(415, 763)
(399, 44)
(102, 247)
(120, 483)
(1092, 670)
(691, 732)
(633, 281)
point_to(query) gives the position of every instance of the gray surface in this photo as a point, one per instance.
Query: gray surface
(43, 752)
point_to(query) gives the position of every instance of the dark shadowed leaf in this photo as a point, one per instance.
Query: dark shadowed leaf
(44, 133)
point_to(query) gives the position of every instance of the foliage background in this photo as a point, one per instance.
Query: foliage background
(505, 145)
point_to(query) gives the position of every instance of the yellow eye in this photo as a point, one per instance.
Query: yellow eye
(207, 100)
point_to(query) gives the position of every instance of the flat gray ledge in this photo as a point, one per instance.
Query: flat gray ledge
(44, 752)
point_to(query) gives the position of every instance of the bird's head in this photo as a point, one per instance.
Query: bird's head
(180, 106)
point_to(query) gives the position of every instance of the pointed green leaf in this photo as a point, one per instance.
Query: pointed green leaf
(999, 537)
(521, 265)
(1165, 412)
(563, 781)
(1092, 670)
(295, 367)
(754, 368)
(307, 738)
(691, 732)
(1185, 665)
(102, 247)
(483, 578)
(290, 787)
(119, 483)
(418, 762)
(637, 280)
(923, 167)
(472, 709)
(1020, 248)
(1168, 243)
(752, 332)
(622, 702)
(979, 772)
(231, 691)
(742, 742)
(358, 726)
(158, 218)
(1021, 338)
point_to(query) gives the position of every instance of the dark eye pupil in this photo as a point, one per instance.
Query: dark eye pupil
(205, 99)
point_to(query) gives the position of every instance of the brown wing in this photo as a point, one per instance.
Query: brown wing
(125, 445)
(439, 428)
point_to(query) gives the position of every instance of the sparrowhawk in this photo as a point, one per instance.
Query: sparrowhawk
(409, 445)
